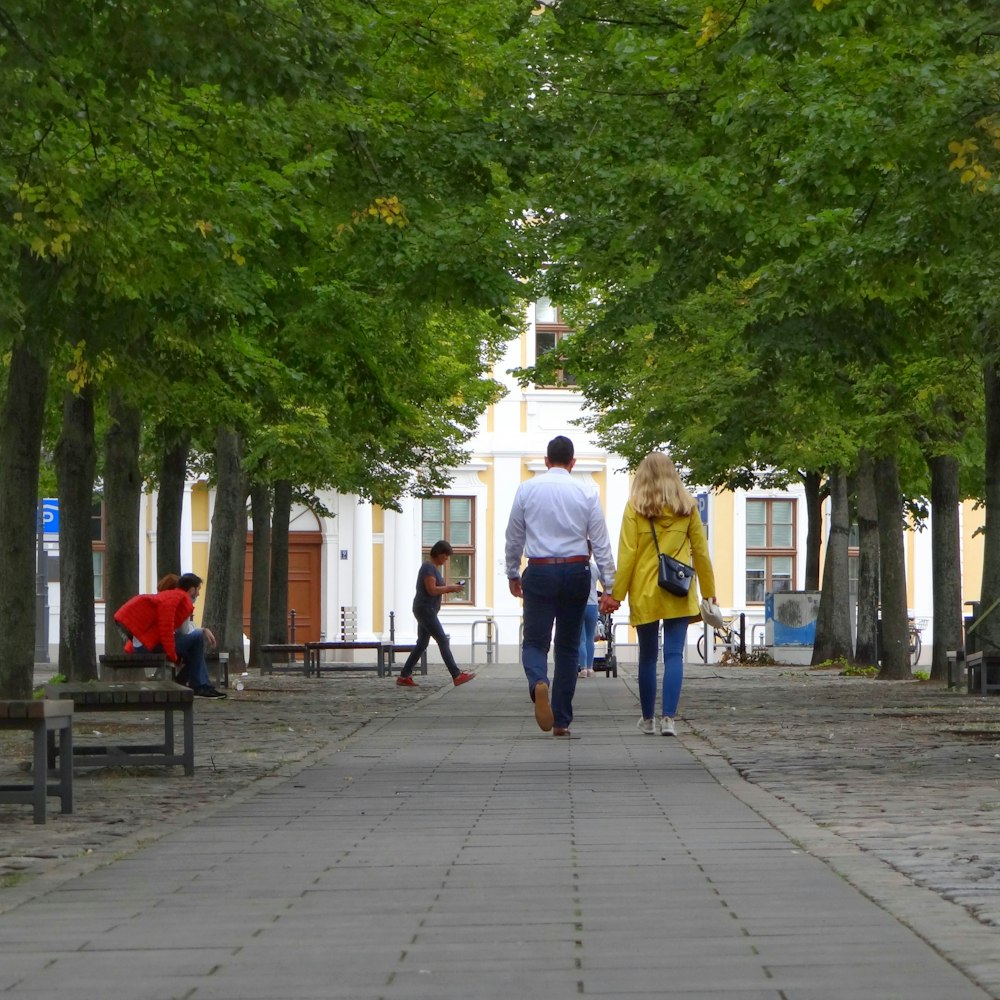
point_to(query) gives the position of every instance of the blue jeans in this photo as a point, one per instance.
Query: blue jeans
(554, 594)
(428, 625)
(674, 635)
(191, 650)
(587, 633)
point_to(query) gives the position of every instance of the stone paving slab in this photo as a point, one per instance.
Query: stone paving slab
(453, 802)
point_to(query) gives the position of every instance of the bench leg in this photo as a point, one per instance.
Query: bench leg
(168, 731)
(188, 711)
(39, 771)
(66, 768)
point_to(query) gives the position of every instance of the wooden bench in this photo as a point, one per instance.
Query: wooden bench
(131, 667)
(147, 696)
(134, 667)
(314, 663)
(44, 719)
(983, 673)
(394, 648)
(274, 650)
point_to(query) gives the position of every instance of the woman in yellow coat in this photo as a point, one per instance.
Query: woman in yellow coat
(660, 501)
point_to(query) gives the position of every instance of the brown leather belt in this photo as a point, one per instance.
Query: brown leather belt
(554, 560)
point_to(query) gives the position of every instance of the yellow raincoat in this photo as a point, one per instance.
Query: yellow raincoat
(638, 566)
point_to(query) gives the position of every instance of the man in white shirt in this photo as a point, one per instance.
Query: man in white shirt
(551, 520)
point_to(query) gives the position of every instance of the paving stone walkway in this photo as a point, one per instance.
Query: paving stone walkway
(807, 836)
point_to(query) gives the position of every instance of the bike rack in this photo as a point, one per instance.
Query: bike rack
(491, 642)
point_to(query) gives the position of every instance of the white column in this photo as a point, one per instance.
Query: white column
(405, 562)
(187, 531)
(361, 562)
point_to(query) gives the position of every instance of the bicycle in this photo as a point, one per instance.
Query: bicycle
(727, 637)
(916, 644)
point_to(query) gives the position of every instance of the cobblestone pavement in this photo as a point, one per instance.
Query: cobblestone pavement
(906, 771)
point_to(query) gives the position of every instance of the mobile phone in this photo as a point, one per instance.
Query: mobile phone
(461, 583)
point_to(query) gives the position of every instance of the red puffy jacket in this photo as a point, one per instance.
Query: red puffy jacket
(153, 618)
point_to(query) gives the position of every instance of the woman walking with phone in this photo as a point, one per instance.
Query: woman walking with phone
(426, 605)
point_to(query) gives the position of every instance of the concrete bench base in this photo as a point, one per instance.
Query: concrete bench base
(149, 696)
(45, 719)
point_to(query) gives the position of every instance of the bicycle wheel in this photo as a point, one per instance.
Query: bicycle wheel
(700, 646)
(916, 646)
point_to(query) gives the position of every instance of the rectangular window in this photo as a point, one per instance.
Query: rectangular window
(770, 548)
(97, 540)
(549, 331)
(453, 519)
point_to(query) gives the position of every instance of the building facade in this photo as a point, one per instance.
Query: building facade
(354, 574)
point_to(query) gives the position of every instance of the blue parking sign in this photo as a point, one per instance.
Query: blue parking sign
(50, 515)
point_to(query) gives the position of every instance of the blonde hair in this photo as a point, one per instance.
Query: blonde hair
(657, 485)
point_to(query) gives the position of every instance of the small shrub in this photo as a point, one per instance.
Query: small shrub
(856, 671)
(39, 692)
(922, 675)
(838, 664)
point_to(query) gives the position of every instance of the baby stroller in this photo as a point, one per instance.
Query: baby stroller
(605, 633)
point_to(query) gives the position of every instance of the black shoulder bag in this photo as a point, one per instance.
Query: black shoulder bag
(674, 576)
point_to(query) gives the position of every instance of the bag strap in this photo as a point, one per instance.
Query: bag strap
(652, 528)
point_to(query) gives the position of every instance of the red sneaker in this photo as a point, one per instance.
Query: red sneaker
(463, 678)
(406, 682)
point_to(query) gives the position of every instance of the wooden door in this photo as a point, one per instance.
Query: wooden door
(305, 549)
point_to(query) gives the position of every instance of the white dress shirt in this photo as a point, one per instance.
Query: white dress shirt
(553, 516)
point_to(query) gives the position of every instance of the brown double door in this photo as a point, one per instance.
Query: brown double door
(305, 549)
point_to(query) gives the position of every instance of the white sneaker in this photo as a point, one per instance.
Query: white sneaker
(667, 726)
(645, 726)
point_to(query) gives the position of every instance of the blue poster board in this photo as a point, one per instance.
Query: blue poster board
(790, 617)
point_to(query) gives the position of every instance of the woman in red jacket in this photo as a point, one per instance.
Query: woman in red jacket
(153, 621)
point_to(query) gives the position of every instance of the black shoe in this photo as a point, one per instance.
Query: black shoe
(209, 692)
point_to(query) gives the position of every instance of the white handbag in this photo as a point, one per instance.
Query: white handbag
(711, 613)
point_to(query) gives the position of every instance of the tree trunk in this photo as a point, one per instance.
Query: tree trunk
(946, 562)
(814, 527)
(122, 503)
(76, 464)
(21, 421)
(988, 632)
(170, 508)
(237, 574)
(833, 625)
(230, 509)
(866, 645)
(280, 522)
(260, 580)
(895, 646)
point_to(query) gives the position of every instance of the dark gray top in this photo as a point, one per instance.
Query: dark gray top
(424, 601)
